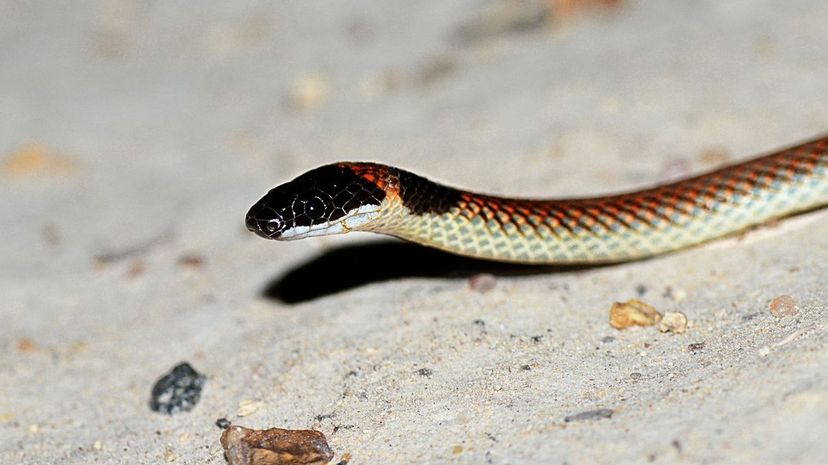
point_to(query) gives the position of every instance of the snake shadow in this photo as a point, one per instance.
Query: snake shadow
(351, 266)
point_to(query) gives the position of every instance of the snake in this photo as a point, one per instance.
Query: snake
(360, 196)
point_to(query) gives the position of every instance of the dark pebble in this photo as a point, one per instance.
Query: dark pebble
(424, 372)
(607, 339)
(589, 415)
(177, 391)
(223, 423)
(695, 346)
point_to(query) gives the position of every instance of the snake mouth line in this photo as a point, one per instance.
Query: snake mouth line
(273, 227)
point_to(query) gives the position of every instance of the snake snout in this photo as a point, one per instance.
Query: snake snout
(265, 222)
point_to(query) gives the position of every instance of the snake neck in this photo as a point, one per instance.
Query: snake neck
(603, 229)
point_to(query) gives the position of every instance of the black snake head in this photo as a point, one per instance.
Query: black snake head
(327, 200)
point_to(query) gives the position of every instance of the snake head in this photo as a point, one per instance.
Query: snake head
(331, 199)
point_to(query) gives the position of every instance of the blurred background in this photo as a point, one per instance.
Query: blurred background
(124, 120)
(135, 134)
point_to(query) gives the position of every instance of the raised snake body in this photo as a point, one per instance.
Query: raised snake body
(347, 196)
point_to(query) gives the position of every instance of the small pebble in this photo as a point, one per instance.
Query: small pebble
(636, 376)
(783, 305)
(673, 322)
(482, 282)
(631, 313)
(178, 390)
(223, 423)
(695, 346)
(425, 372)
(589, 415)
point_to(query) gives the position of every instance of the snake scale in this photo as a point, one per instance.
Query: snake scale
(347, 196)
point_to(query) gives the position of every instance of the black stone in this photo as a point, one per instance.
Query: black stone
(178, 390)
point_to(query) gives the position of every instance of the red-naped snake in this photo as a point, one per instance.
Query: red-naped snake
(346, 196)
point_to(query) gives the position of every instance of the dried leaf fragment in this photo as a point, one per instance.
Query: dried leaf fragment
(275, 446)
(631, 313)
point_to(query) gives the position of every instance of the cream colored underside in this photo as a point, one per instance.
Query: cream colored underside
(477, 238)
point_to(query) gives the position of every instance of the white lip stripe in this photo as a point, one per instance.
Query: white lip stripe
(354, 219)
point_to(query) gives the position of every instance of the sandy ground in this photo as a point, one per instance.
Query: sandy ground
(135, 135)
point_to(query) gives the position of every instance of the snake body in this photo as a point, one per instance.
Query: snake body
(349, 196)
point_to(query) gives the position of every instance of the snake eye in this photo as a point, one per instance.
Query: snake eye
(315, 208)
(273, 225)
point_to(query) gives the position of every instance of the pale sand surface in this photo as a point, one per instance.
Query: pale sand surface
(139, 133)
